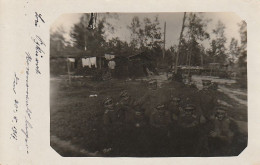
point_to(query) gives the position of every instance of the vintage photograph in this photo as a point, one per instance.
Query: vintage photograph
(148, 84)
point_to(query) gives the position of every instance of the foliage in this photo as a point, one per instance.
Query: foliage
(145, 35)
(233, 50)
(218, 49)
(118, 47)
(242, 59)
(191, 49)
(57, 41)
(85, 39)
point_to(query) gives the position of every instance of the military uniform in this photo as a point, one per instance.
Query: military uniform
(160, 118)
(110, 114)
(131, 110)
(110, 117)
(208, 101)
(189, 134)
(221, 136)
(125, 108)
(152, 98)
(175, 109)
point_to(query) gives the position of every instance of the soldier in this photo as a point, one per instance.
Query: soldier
(151, 98)
(160, 121)
(152, 84)
(208, 100)
(189, 134)
(131, 110)
(178, 76)
(221, 136)
(160, 117)
(110, 116)
(126, 111)
(175, 108)
(206, 84)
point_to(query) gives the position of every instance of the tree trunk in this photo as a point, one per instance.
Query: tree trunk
(178, 53)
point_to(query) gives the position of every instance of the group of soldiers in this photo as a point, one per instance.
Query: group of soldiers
(195, 128)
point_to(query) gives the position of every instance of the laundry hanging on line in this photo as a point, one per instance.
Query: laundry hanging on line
(92, 61)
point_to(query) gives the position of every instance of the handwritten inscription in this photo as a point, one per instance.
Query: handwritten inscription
(21, 127)
(37, 18)
(38, 52)
(25, 131)
(28, 111)
(14, 133)
(15, 82)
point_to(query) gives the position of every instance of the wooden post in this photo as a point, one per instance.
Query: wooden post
(100, 58)
(68, 66)
(164, 39)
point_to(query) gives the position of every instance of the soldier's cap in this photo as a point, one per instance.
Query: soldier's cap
(189, 107)
(124, 93)
(108, 100)
(221, 109)
(176, 99)
(206, 82)
(160, 106)
(152, 81)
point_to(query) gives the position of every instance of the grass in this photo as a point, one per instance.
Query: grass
(78, 118)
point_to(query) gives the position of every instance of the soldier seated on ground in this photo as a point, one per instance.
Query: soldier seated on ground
(206, 84)
(131, 110)
(125, 108)
(188, 118)
(189, 130)
(160, 117)
(221, 136)
(110, 116)
(149, 98)
(214, 86)
(177, 75)
(152, 84)
(174, 107)
(208, 101)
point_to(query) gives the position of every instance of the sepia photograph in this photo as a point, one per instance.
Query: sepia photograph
(157, 84)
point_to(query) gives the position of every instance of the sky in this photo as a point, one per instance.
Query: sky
(173, 24)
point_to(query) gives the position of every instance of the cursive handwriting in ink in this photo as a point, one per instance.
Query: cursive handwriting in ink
(15, 82)
(37, 18)
(26, 133)
(14, 134)
(38, 52)
(14, 121)
(28, 112)
(28, 60)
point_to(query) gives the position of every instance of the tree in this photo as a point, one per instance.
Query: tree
(195, 33)
(85, 39)
(57, 41)
(233, 50)
(118, 47)
(242, 59)
(135, 28)
(218, 49)
(145, 35)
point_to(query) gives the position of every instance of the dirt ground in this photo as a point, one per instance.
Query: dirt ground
(77, 127)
